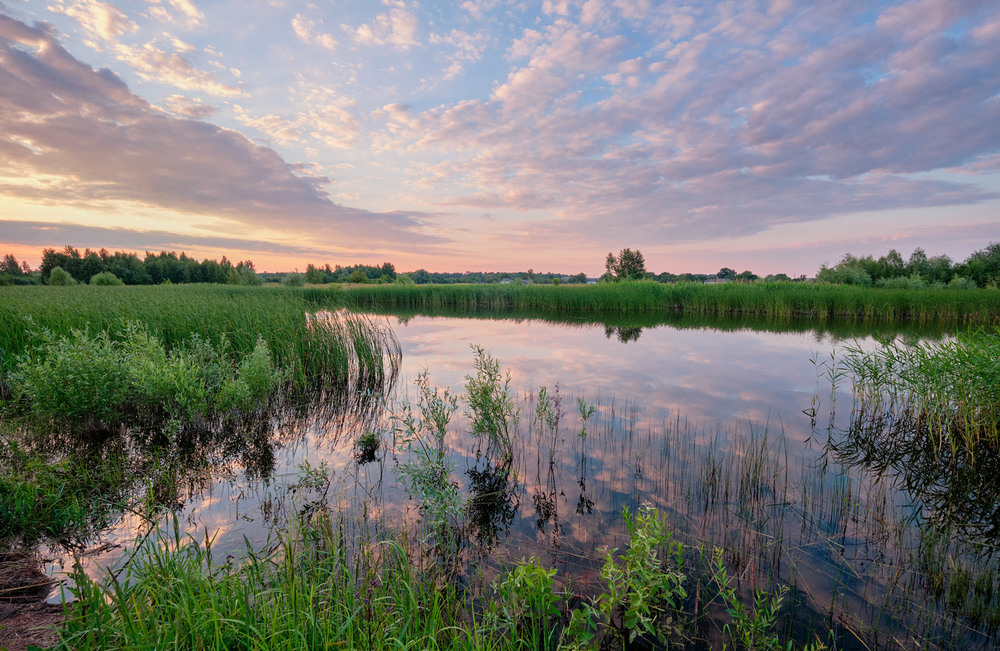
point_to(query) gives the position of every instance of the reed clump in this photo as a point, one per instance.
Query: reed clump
(102, 356)
(812, 300)
(947, 391)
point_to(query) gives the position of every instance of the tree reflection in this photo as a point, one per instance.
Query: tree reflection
(957, 488)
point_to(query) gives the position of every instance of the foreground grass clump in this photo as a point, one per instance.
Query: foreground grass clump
(820, 301)
(103, 356)
(312, 348)
(947, 391)
(320, 591)
(94, 380)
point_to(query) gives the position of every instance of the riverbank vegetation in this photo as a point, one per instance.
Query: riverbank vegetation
(218, 324)
(321, 590)
(817, 301)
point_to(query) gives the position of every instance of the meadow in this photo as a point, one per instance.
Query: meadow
(811, 300)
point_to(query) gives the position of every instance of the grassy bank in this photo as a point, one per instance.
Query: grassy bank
(818, 301)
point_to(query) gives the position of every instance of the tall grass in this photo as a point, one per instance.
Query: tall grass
(320, 590)
(172, 314)
(947, 391)
(818, 301)
(312, 350)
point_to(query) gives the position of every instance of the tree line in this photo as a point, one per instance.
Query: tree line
(981, 269)
(71, 266)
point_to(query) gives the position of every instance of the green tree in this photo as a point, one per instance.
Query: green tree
(726, 273)
(314, 276)
(628, 265)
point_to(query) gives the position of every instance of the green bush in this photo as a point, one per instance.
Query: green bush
(91, 380)
(104, 278)
(60, 277)
(959, 282)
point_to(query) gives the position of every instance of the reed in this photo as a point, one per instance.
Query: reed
(812, 300)
(276, 331)
(947, 391)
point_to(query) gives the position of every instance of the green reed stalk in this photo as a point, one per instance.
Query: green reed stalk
(786, 300)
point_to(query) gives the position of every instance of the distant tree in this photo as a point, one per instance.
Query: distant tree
(10, 266)
(778, 278)
(313, 275)
(404, 279)
(745, 276)
(983, 266)
(357, 276)
(628, 265)
(421, 277)
(726, 273)
(294, 280)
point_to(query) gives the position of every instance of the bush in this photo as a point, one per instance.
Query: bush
(960, 282)
(85, 380)
(105, 278)
(60, 277)
(295, 280)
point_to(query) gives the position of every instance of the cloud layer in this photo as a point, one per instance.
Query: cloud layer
(75, 135)
(493, 131)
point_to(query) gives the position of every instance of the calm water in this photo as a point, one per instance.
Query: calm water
(738, 431)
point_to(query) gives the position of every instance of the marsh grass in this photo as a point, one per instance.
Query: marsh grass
(948, 392)
(314, 348)
(785, 300)
(190, 355)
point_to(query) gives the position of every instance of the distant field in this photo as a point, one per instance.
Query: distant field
(819, 301)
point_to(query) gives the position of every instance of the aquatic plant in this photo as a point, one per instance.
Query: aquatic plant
(948, 391)
(492, 410)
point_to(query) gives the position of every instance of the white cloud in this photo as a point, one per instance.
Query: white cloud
(325, 117)
(178, 12)
(308, 31)
(155, 65)
(397, 27)
(99, 19)
(191, 108)
(96, 142)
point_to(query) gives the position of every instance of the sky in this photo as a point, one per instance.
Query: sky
(493, 135)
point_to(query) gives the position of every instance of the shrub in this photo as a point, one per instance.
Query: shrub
(295, 280)
(960, 282)
(104, 278)
(60, 277)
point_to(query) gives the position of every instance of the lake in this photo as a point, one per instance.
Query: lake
(741, 431)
